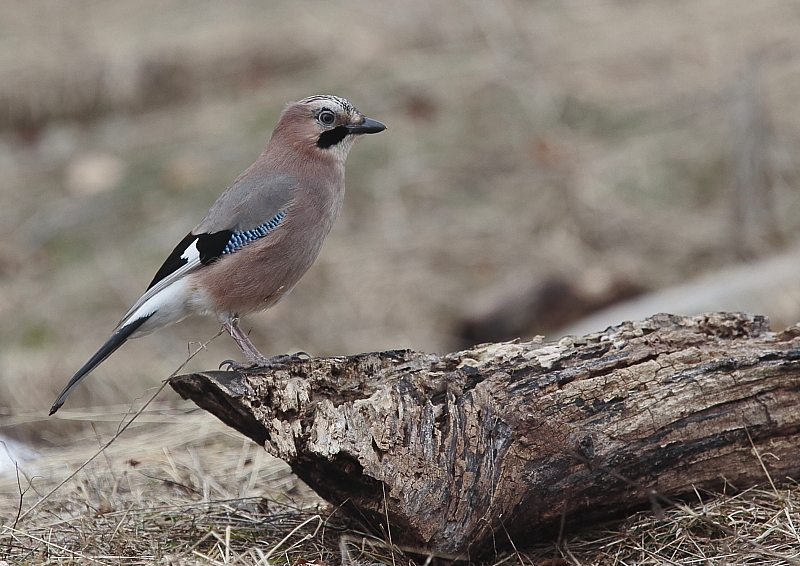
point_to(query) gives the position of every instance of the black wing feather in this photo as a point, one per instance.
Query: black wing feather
(210, 247)
(174, 260)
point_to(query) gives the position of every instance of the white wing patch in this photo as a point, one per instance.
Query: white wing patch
(191, 254)
(167, 306)
(192, 257)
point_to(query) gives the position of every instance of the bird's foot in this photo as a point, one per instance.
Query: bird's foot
(288, 358)
(275, 362)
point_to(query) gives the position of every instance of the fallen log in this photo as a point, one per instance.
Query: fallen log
(466, 452)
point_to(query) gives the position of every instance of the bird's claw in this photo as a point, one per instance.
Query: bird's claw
(233, 365)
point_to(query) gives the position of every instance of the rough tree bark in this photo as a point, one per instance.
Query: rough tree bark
(467, 451)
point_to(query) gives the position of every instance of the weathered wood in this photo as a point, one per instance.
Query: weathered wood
(467, 451)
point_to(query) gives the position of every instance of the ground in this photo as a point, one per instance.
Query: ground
(605, 143)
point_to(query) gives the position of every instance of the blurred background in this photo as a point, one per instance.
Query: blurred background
(545, 162)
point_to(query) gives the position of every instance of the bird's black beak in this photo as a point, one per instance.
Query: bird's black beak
(368, 126)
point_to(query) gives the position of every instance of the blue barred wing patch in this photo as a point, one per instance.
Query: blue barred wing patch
(238, 240)
(207, 248)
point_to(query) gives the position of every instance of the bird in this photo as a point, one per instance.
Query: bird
(258, 238)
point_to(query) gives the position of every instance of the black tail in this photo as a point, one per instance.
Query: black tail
(117, 339)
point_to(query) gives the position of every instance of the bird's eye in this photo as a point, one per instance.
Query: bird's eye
(326, 117)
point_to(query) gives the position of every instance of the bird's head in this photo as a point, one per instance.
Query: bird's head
(325, 125)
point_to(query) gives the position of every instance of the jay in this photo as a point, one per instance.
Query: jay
(259, 237)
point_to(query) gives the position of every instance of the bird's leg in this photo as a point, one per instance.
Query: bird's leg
(250, 351)
(256, 359)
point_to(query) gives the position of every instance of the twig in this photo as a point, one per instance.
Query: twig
(120, 430)
(95, 455)
(48, 543)
(761, 462)
(388, 526)
(294, 530)
(21, 496)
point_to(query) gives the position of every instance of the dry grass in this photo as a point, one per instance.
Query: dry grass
(180, 489)
(188, 491)
(752, 527)
(247, 531)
